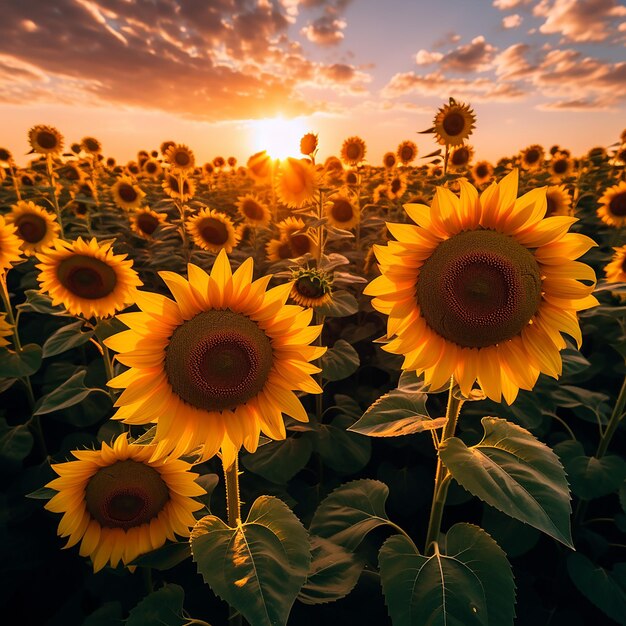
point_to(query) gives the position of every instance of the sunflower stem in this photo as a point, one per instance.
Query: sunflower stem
(445, 160)
(183, 229)
(53, 192)
(442, 476)
(233, 501)
(16, 183)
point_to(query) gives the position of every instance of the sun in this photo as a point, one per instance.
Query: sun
(278, 136)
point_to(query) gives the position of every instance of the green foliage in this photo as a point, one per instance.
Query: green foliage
(342, 304)
(71, 392)
(278, 461)
(24, 362)
(66, 338)
(340, 361)
(163, 607)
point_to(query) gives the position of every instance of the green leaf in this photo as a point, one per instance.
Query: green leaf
(340, 361)
(43, 493)
(146, 438)
(23, 363)
(16, 442)
(66, 338)
(606, 590)
(350, 512)
(590, 477)
(165, 557)
(397, 413)
(71, 392)
(109, 614)
(333, 573)
(37, 302)
(279, 461)
(163, 607)
(515, 473)
(258, 567)
(341, 450)
(109, 326)
(342, 304)
(468, 581)
(208, 482)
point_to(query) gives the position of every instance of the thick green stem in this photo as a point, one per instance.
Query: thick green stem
(442, 478)
(53, 193)
(233, 502)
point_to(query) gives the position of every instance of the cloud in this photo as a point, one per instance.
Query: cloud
(326, 30)
(475, 56)
(424, 57)
(580, 20)
(511, 21)
(505, 5)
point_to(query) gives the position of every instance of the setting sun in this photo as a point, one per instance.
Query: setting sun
(279, 137)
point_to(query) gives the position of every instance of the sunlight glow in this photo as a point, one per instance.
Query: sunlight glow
(279, 137)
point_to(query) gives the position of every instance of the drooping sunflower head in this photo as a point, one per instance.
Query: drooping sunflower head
(218, 365)
(461, 156)
(166, 145)
(91, 145)
(396, 187)
(389, 160)
(482, 172)
(297, 182)
(278, 249)
(178, 186)
(616, 270)
(5, 156)
(293, 232)
(253, 211)
(10, 246)
(560, 165)
(341, 212)
(558, 201)
(353, 150)
(260, 166)
(6, 330)
(119, 503)
(333, 166)
(612, 210)
(45, 139)
(312, 287)
(86, 277)
(126, 193)
(532, 157)
(454, 123)
(482, 288)
(180, 157)
(308, 144)
(152, 168)
(35, 227)
(145, 221)
(212, 230)
(407, 152)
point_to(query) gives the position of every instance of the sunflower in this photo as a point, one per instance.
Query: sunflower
(308, 144)
(333, 166)
(36, 227)
(260, 166)
(45, 139)
(152, 168)
(218, 365)
(10, 251)
(232, 162)
(460, 156)
(6, 157)
(83, 189)
(208, 170)
(88, 278)
(166, 145)
(121, 503)
(172, 187)
(219, 162)
(612, 209)
(253, 211)
(145, 221)
(558, 200)
(297, 183)
(212, 231)
(560, 165)
(133, 168)
(389, 160)
(126, 193)
(279, 250)
(353, 150)
(616, 270)
(407, 151)
(71, 172)
(142, 157)
(311, 287)
(91, 145)
(351, 178)
(341, 212)
(180, 157)
(396, 187)
(482, 288)
(532, 157)
(454, 123)
(482, 172)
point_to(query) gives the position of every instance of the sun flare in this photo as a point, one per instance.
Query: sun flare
(278, 136)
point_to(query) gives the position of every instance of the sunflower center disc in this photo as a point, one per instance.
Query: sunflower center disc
(46, 139)
(453, 123)
(532, 156)
(560, 166)
(396, 185)
(127, 192)
(353, 151)
(481, 171)
(406, 154)
(147, 223)
(617, 205)
(479, 288)
(182, 159)
(342, 210)
(32, 228)
(551, 205)
(253, 210)
(300, 244)
(218, 360)
(125, 494)
(87, 277)
(213, 231)
(309, 287)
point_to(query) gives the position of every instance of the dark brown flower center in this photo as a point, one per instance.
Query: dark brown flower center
(390, 160)
(86, 276)
(353, 151)
(531, 156)
(407, 154)
(151, 167)
(127, 192)
(460, 156)
(351, 178)
(182, 158)
(310, 287)
(552, 204)
(213, 231)
(218, 360)
(617, 204)
(252, 210)
(31, 228)
(482, 170)
(47, 140)
(479, 288)
(219, 161)
(126, 494)
(453, 123)
(396, 185)
(560, 166)
(147, 223)
(92, 145)
(300, 244)
(342, 210)
(5, 155)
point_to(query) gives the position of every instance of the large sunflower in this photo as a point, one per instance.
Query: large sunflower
(297, 182)
(35, 226)
(453, 123)
(612, 210)
(10, 243)
(180, 157)
(616, 270)
(126, 193)
(353, 150)
(88, 278)
(212, 231)
(45, 139)
(219, 364)
(482, 288)
(120, 503)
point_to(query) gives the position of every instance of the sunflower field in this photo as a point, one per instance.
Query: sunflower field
(292, 391)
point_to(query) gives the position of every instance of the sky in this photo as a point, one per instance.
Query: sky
(134, 73)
